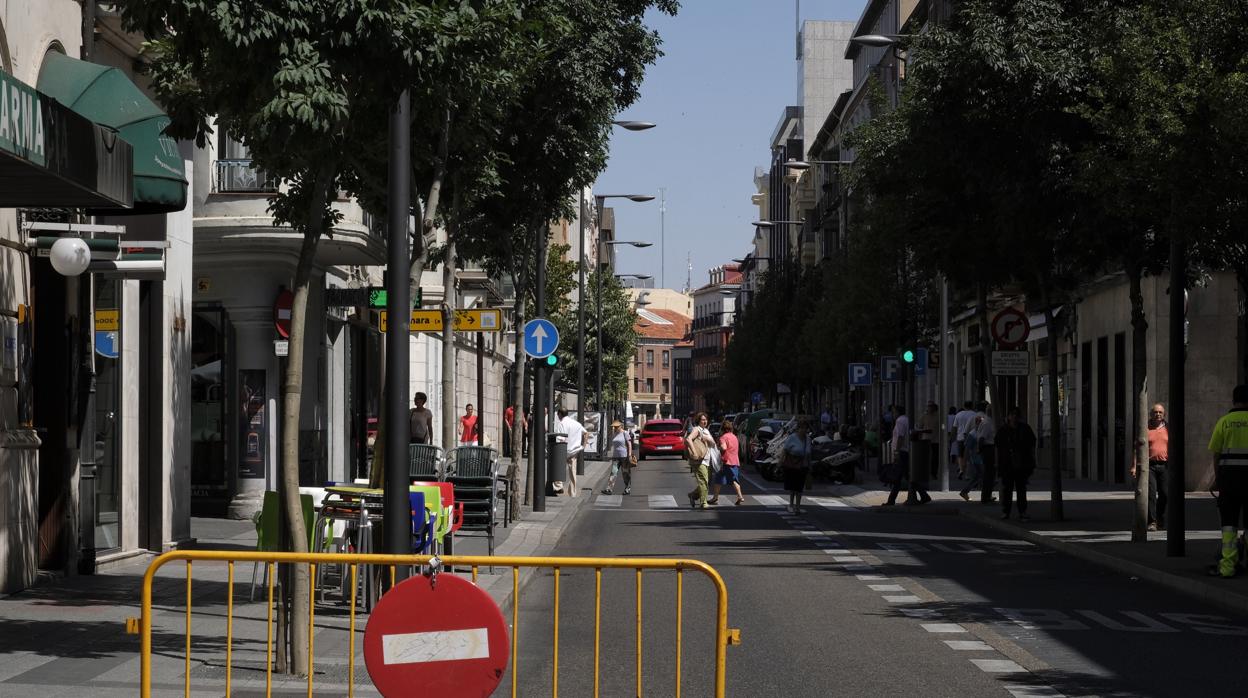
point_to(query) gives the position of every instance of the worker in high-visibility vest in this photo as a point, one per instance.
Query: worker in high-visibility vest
(1229, 445)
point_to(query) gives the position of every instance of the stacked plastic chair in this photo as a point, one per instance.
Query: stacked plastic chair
(473, 472)
(424, 462)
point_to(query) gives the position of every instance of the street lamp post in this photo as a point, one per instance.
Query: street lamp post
(580, 302)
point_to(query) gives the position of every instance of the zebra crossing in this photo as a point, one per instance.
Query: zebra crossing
(660, 502)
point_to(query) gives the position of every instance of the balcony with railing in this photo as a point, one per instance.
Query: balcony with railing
(240, 177)
(714, 320)
(233, 219)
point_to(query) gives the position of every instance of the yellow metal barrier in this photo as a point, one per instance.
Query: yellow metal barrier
(724, 635)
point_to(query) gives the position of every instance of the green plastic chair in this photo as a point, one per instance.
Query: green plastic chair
(268, 531)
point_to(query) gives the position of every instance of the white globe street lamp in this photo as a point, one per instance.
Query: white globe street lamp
(70, 256)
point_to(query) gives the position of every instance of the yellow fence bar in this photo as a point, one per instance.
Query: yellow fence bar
(724, 635)
(229, 628)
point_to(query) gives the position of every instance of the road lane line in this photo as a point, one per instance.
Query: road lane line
(943, 627)
(886, 587)
(998, 666)
(662, 501)
(969, 645)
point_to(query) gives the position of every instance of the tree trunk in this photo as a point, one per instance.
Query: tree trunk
(1139, 388)
(519, 376)
(429, 220)
(448, 347)
(292, 399)
(1055, 417)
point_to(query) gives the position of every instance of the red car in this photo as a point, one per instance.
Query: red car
(660, 437)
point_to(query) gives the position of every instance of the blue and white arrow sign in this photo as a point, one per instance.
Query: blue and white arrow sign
(540, 338)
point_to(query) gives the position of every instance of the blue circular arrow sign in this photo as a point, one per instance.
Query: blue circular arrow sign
(540, 338)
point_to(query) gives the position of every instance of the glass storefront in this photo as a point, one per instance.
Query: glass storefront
(107, 414)
(210, 394)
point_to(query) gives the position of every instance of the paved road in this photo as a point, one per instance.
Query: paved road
(843, 601)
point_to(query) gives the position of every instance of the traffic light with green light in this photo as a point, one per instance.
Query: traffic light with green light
(552, 360)
(907, 355)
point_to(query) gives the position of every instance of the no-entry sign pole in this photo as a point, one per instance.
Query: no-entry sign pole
(396, 513)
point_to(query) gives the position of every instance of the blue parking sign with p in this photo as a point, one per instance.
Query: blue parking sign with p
(860, 375)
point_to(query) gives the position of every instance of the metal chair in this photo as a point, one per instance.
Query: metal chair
(424, 462)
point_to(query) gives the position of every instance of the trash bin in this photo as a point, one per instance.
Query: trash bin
(556, 457)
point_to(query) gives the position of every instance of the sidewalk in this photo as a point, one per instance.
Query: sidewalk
(1096, 528)
(69, 634)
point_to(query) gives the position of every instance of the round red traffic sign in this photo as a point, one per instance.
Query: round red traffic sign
(446, 638)
(1010, 327)
(281, 312)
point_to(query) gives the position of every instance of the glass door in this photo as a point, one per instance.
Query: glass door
(107, 413)
(209, 403)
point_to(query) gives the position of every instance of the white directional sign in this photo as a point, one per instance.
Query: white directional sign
(540, 338)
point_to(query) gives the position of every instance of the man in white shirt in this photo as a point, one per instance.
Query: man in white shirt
(987, 433)
(963, 422)
(577, 438)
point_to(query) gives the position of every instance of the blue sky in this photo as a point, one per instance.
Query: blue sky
(728, 72)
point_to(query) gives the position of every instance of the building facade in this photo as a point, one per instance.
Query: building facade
(94, 373)
(651, 378)
(714, 311)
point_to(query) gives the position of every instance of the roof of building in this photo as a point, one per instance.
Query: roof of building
(661, 324)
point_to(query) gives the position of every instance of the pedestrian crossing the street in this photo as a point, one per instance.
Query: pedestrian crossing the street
(668, 501)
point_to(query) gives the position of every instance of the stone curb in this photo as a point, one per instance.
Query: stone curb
(540, 535)
(1194, 588)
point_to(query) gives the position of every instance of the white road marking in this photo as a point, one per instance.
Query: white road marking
(920, 613)
(436, 646)
(886, 587)
(662, 501)
(814, 534)
(847, 558)
(829, 502)
(1034, 692)
(872, 577)
(609, 500)
(837, 551)
(943, 628)
(969, 645)
(998, 666)
(905, 598)
(771, 500)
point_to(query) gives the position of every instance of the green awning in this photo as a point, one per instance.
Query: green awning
(106, 96)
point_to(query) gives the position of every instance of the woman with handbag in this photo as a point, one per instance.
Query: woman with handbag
(796, 464)
(730, 470)
(698, 447)
(622, 459)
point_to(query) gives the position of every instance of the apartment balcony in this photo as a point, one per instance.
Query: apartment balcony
(233, 223)
(710, 322)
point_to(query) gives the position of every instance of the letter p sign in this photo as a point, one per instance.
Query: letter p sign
(860, 375)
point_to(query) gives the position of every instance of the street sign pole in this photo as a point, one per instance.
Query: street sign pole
(396, 512)
(537, 464)
(580, 338)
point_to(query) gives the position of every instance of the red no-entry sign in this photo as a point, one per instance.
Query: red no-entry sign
(447, 638)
